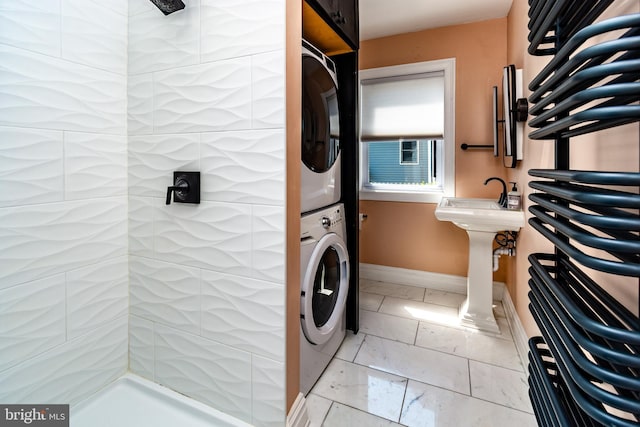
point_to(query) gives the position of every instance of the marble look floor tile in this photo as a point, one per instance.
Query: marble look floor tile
(500, 385)
(450, 299)
(427, 406)
(498, 309)
(350, 346)
(373, 391)
(420, 311)
(505, 330)
(427, 366)
(470, 344)
(387, 326)
(503, 325)
(435, 313)
(344, 416)
(317, 409)
(392, 290)
(369, 301)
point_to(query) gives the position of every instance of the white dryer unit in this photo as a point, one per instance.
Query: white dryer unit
(324, 284)
(320, 176)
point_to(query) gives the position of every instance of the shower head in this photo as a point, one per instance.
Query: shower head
(168, 6)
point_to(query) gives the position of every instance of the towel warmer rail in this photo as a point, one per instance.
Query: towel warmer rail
(585, 368)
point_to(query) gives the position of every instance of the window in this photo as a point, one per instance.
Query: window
(407, 132)
(409, 154)
(409, 170)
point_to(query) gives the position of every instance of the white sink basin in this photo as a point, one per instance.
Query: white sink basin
(481, 219)
(479, 215)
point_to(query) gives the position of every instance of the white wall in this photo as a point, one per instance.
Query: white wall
(63, 198)
(206, 92)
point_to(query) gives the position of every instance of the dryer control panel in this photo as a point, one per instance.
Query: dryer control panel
(333, 219)
(327, 220)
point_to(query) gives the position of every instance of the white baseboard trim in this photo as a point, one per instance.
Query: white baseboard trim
(520, 337)
(422, 279)
(298, 416)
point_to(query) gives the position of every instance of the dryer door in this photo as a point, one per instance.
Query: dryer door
(324, 289)
(320, 121)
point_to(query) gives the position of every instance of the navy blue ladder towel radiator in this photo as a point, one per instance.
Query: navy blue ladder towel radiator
(584, 369)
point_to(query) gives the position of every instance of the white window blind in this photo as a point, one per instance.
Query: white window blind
(403, 107)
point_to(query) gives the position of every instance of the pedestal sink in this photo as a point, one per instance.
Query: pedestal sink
(482, 219)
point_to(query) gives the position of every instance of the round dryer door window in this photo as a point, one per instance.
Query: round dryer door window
(320, 121)
(325, 288)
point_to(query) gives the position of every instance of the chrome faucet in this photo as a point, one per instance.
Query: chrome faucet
(502, 201)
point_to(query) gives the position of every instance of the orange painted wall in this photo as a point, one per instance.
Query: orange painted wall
(293, 73)
(407, 235)
(614, 149)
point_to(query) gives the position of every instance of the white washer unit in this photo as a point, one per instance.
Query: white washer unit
(320, 180)
(324, 284)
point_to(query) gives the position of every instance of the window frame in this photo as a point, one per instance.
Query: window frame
(415, 148)
(400, 192)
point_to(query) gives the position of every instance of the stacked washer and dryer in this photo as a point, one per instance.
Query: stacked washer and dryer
(324, 261)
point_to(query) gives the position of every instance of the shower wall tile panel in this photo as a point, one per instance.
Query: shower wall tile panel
(158, 42)
(268, 225)
(140, 104)
(242, 27)
(206, 92)
(41, 240)
(32, 319)
(39, 91)
(95, 35)
(140, 6)
(96, 295)
(154, 158)
(165, 293)
(141, 214)
(71, 371)
(95, 165)
(141, 348)
(209, 97)
(243, 313)
(267, 86)
(214, 236)
(243, 166)
(63, 164)
(31, 25)
(268, 392)
(118, 6)
(31, 166)
(205, 370)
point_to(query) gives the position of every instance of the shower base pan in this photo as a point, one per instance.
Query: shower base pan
(132, 401)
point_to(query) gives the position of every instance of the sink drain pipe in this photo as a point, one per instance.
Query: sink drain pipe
(507, 246)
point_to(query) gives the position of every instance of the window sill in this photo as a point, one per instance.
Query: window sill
(402, 196)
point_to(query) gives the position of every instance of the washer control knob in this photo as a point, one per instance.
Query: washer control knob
(326, 222)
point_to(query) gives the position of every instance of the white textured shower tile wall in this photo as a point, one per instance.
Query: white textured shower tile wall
(206, 93)
(63, 209)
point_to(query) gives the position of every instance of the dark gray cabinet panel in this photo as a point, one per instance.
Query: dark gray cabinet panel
(342, 15)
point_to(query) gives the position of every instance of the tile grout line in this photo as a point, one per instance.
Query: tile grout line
(327, 414)
(404, 397)
(469, 372)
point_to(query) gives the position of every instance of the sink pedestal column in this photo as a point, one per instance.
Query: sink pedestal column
(477, 310)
